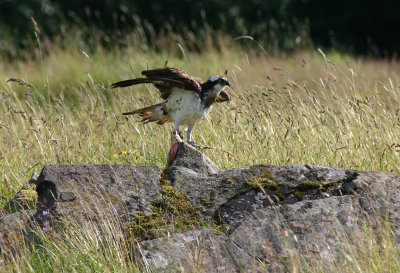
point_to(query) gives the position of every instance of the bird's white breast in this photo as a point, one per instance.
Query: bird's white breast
(185, 107)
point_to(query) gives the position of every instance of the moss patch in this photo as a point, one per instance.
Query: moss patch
(280, 196)
(206, 202)
(261, 183)
(323, 185)
(265, 172)
(308, 185)
(25, 199)
(171, 213)
(298, 195)
(305, 189)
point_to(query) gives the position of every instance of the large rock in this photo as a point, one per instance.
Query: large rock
(270, 215)
(321, 230)
(278, 213)
(85, 190)
(230, 196)
(273, 185)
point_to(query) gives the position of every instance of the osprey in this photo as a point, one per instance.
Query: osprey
(186, 99)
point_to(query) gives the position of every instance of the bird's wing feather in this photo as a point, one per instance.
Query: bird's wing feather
(165, 80)
(183, 80)
(154, 80)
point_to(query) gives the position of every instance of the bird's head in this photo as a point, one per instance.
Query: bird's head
(217, 83)
(213, 90)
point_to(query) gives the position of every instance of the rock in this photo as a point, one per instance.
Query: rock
(278, 211)
(34, 178)
(188, 157)
(25, 198)
(316, 229)
(13, 229)
(15, 223)
(274, 185)
(86, 190)
(232, 195)
(209, 192)
(319, 230)
(194, 251)
(273, 215)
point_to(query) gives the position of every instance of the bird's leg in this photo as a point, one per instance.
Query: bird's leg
(189, 133)
(176, 128)
(189, 137)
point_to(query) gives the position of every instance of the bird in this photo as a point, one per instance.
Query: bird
(186, 99)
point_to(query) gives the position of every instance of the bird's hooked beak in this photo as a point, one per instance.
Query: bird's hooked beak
(227, 83)
(223, 96)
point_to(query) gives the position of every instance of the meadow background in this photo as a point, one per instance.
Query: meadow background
(296, 98)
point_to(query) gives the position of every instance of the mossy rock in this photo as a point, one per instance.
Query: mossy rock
(261, 182)
(25, 199)
(308, 185)
(322, 185)
(171, 213)
(298, 195)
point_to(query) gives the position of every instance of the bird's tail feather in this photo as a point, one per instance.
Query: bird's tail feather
(132, 112)
(150, 113)
(143, 110)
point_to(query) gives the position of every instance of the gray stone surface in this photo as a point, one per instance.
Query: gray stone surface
(195, 251)
(297, 211)
(230, 196)
(188, 157)
(319, 230)
(85, 190)
(285, 185)
(322, 229)
(15, 222)
(209, 192)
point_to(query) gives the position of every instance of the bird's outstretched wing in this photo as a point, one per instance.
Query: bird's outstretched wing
(165, 79)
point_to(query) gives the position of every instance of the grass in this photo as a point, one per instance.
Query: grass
(308, 107)
(80, 247)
